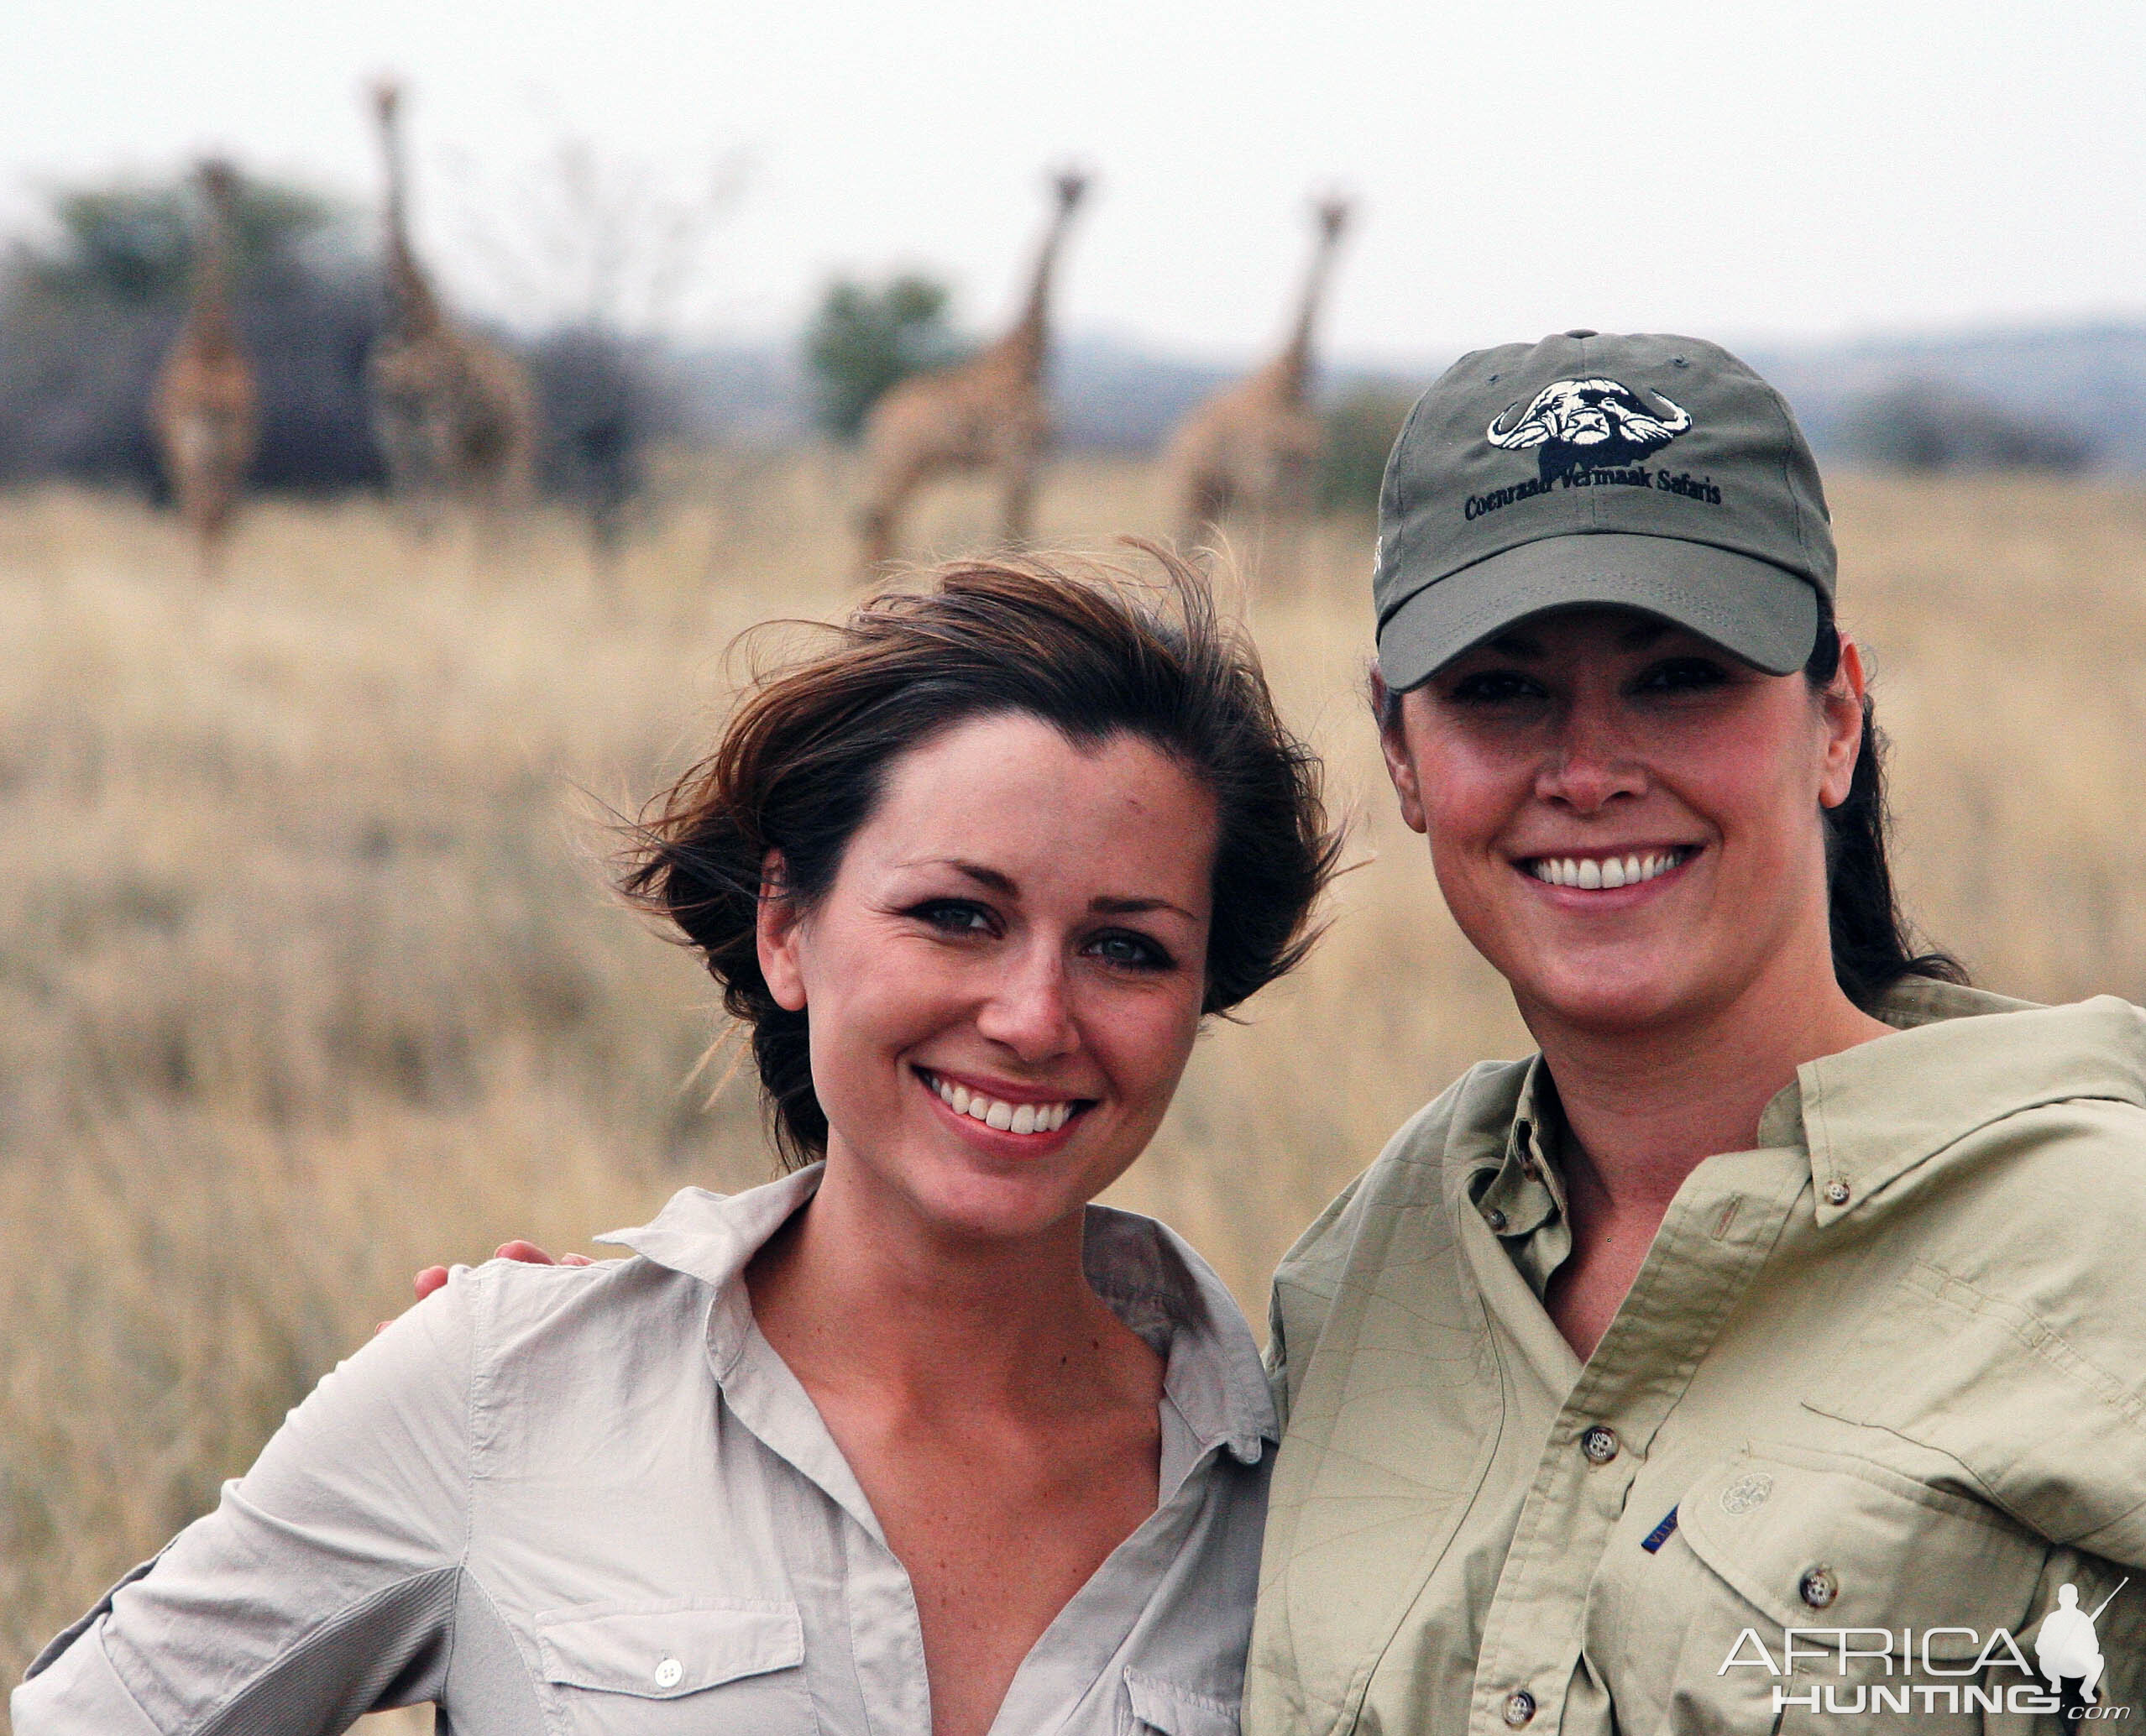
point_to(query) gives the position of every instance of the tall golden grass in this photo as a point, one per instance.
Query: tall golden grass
(307, 976)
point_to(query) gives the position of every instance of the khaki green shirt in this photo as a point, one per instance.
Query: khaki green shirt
(1876, 1395)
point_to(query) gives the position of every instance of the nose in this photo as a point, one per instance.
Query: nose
(1590, 765)
(1030, 1012)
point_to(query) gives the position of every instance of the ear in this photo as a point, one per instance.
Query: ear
(1393, 744)
(778, 929)
(1841, 707)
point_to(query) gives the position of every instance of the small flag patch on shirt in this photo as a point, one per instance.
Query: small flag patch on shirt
(1660, 1534)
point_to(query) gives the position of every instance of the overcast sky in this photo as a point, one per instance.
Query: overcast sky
(1734, 169)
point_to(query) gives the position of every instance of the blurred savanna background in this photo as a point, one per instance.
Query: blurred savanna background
(310, 755)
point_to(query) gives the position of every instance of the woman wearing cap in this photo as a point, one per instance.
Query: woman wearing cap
(1768, 1350)
(914, 1441)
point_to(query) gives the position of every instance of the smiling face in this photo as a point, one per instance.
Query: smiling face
(1624, 819)
(1005, 979)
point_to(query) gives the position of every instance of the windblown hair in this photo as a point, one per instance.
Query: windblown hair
(1091, 651)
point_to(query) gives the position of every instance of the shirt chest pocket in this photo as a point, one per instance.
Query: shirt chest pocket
(711, 1666)
(1152, 1706)
(1796, 1586)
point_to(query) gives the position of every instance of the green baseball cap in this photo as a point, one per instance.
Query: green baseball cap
(1654, 472)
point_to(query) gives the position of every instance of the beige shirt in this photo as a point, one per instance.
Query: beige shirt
(594, 1499)
(1877, 1394)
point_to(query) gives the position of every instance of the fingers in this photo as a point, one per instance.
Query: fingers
(525, 1252)
(575, 1260)
(430, 1279)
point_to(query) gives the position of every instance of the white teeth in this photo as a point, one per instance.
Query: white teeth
(1604, 873)
(1007, 1117)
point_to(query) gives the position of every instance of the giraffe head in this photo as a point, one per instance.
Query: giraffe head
(387, 97)
(219, 180)
(1333, 210)
(1069, 183)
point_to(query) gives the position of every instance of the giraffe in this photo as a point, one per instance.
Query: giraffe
(204, 409)
(455, 415)
(987, 413)
(1255, 445)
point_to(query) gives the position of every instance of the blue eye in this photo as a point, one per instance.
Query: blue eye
(1130, 952)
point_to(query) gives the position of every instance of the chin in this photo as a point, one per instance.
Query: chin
(1609, 994)
(987, 1205)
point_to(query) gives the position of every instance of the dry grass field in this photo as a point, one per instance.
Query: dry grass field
(308, 977)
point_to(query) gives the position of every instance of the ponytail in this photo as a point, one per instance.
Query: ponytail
(1873, 946)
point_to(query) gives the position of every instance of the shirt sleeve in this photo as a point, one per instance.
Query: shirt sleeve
(321, 1586)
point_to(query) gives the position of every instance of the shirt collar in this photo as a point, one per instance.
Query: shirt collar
(1959, 1060)
(1147, 1274)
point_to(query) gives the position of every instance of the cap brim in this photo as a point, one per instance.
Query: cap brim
(1763, 614)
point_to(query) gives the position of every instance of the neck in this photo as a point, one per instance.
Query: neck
(1294, 364)
(409, 296)
(1648, 1105)
(208, 312)
(1031, 332)
(858, 1291)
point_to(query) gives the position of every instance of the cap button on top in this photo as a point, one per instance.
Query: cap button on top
(669, 1673)
(1519, 1707)
(1599, 1444)
(1582, 332)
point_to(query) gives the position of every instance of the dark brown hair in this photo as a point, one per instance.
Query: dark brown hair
(1089, 650)
(1874, 946)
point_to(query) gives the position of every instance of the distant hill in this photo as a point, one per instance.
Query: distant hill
(2084, 382)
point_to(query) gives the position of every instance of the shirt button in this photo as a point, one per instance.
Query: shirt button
(1599, 1444)
(1836, 1192)
(1819, 1588)
(1519, 1707)
(1494, 1218)
(669, 1673)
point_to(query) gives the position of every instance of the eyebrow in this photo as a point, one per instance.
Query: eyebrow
(1004, 885)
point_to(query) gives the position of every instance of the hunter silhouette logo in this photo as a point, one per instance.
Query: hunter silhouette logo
(2065, 1644)
(1581, 425)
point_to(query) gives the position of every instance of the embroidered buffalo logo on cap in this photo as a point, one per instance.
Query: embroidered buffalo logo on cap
(1589, 425)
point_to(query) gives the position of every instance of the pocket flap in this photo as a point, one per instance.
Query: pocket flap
(660, 1651)
(1178, 1712)
(1829, 1545)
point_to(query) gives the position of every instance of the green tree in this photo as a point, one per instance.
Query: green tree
(866, 337)
(133, 244)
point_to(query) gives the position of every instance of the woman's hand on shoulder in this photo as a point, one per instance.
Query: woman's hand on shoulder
(433, 1277)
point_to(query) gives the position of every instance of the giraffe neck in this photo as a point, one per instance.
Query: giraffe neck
(1293, 366)
(210, 325)
(1030, 336)
(411, 305)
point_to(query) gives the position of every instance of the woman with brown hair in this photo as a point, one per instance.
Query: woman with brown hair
(915, 1438)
